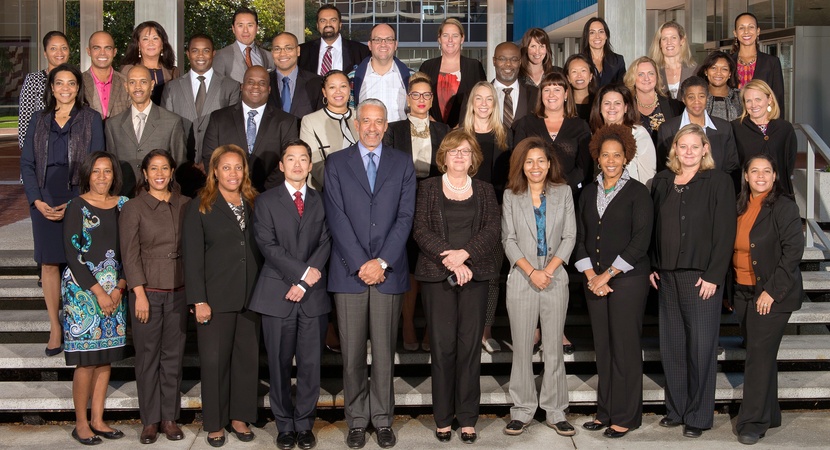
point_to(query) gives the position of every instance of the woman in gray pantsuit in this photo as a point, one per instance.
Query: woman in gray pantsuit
(538, 233)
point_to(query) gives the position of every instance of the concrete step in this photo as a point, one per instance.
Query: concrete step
(20, 287)
(409, 391)
(816, 280)
(793, 348)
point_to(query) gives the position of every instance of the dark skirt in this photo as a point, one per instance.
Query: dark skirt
(48, 234)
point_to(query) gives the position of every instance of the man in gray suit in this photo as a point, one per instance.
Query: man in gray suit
(142, 128)
(102, 84)
(194, 96)
(290, 230)
(294, 90)
(233, 60)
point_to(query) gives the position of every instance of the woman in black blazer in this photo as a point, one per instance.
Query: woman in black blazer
(694, 230)
(609, 67)
(655, 108)
(221, 263)
(768, 248)
(452, 75)
(420, 137)
(614, 259)
(762, 130)
(752, 63)
(458, 229)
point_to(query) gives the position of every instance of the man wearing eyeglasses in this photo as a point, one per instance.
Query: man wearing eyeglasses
(293, 90)
(382, 76)
(331, 50)
(522, 97)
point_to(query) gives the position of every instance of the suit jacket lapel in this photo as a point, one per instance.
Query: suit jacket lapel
(222, 206)
(527, 209)
(127, 127)
(311, 199)
(551, 206)
(356, 164)
(521, 105)
(267, 117)
(239, 122)
(150, 124)
(187, 88)
(288, 202)
(384, 169)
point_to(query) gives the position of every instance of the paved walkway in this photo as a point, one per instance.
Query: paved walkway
(801, 430)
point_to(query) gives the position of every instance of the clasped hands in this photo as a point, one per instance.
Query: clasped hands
(53, 213)
(707, 289)
(454, 262)
(372, 273)
(598, 284)
(295, 293)
(540, 278)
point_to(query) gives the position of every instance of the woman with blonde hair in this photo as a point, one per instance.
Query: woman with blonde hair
(694, 231)
(646, 83)
(452, 74)
(670, 50)
(762, 130)
(482, 120)
(221, 263)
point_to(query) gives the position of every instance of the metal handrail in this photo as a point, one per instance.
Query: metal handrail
(814, 141)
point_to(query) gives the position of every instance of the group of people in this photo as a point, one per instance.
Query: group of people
(251, 190)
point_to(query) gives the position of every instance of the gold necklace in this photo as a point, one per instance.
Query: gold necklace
(651, 106)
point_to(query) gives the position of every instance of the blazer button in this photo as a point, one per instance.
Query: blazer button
(242, 260)
(766, 138)
(241, 242)
(599, 223)
(597, 250)
(754, 263)
(597, 237)
(752, 245)
(758, 278)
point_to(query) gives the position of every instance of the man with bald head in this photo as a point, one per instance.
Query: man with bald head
(143, 127)
(100, 78)
(256, 125)
(293, 89)
(382, 75)
(516, 98)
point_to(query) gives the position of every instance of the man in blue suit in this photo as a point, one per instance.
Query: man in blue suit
(370, 203)
(290, 229)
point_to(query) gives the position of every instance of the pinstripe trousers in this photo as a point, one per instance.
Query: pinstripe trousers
(689, 329)
(526, 306)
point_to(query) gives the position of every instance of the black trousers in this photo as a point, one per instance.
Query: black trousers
(159, 349)
(689, 328)
(617, 324)
(455, 318)
(301, 336)
(759, 408)
(229, 360)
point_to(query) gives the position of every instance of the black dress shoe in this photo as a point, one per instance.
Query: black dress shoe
(669, 423)
(562, 428)
(246, 436)
(515, 428)
(53, 351)
(614, 434)
(94, 440)
(356, 438)
(217, 441)
(149, 434)
(286, 440)
(749, 438)
(171, 429)
(468, 438)
(386, 437)
(568, 349)
(443, 436)
(306, 440)
(593, 426)
(692, 432)
(114, 434)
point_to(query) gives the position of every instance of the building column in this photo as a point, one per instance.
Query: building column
(695, 24)
(569, 47)
(295, 18)
(170, 15)
(50, 17)
(627, 22)
(496, 31)
(92, 20)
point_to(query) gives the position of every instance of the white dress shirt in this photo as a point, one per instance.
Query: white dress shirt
(195, 81)
(514, 94)
(336, 54)
(257, 118)
(256, 58)
(387, 88)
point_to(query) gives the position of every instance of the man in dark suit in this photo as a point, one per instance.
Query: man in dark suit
(290, 229)
(516, 99)
(343, 54)
(370, 203)
(258, 127)
(143, 127)
(194, 96)
(233, 60)
(102, 84)
(294, 90)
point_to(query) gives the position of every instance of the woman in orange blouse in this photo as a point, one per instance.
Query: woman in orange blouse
(768, 248)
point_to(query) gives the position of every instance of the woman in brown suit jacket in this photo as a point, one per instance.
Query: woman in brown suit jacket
(151, 253)
(457, 227)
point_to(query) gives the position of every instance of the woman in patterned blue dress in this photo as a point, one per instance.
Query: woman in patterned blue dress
(92, 287)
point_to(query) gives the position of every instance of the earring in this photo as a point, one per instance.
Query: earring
(139, 54)
(325, 101)
(599, 166)
(161, 54)
(769, 108)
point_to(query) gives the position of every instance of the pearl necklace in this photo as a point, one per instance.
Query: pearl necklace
(459, 190)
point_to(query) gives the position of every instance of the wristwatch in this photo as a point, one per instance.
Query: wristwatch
(611, 271)
(383, 264)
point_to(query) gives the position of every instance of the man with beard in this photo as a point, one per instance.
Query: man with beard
(143, 127)
(331, 50)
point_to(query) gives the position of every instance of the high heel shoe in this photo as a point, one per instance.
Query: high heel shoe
(53, 351)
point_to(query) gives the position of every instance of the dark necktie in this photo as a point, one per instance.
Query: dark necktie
(508, 107)
(298, 200)
(324, 69)
(250, 132)
(200, 95)
(248, 61)
(372, 171)
(286, 94)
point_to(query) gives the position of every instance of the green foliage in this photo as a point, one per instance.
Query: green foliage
(119, 17)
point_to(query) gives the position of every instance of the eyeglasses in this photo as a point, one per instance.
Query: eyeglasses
(378, 41)
(504, 59)
(454, 151)
(286, 49)
(417, 95)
